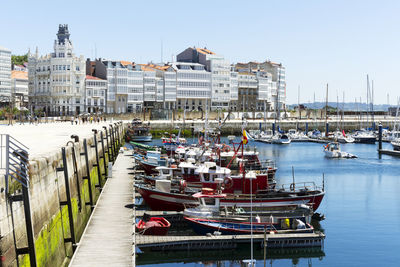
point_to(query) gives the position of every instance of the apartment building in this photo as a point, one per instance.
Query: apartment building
(220, 70)
(57, 80)
(20, 88)
(193, 86)
(5, 76)
(125, 84)
(95, 94)
(272, 80)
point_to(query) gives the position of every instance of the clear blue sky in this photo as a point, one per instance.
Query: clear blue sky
(319, 42)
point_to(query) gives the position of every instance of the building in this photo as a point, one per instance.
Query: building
(193, 86)
(261, 86)
(220, 70)
(19, 88)
(57, 80)
(5, 76)
(95, 94)
(125, 81)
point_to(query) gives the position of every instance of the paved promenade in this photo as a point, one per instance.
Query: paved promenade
(44, 138)
(108, 239)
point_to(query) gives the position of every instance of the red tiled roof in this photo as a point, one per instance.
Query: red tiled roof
(89, 77)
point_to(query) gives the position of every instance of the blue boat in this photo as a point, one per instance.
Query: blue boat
(287, 225)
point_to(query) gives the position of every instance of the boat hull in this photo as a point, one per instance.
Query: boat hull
(364, 140)
(158, 200)
(142, 138)
(205, 226)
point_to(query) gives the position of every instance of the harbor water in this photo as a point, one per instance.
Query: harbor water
(361, 206)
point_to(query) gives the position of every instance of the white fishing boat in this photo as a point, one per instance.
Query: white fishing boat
(332, 150)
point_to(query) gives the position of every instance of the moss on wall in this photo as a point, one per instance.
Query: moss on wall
(49, 243)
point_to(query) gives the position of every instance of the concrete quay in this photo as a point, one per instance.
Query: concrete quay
(234, 126)
(65, 181)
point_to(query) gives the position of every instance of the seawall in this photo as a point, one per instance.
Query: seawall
(235, 126)
(47, 189)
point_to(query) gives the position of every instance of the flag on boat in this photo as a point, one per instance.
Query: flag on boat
(245, 140)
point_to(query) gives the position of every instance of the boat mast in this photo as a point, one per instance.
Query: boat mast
(367, 99)
(326, 111)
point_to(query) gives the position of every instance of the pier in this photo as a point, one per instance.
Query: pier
(107, 239)
(165, 243)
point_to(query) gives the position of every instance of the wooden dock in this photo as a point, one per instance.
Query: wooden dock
(165, 243)
(108, 237)
(389, 152)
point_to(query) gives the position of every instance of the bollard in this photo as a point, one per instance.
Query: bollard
(110, 170)
(380, 137)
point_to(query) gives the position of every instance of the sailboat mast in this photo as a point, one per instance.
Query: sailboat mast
(326, 107)
(367, 99)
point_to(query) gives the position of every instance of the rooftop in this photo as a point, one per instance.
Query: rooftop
(18, 74)
(205, 51)
(89, 77)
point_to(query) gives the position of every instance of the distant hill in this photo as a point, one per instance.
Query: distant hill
(347, 106)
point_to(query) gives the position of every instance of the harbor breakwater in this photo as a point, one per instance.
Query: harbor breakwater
(234, 127)
(63, 185)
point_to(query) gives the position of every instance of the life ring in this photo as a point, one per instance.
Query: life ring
(228, 182)
(226, 149)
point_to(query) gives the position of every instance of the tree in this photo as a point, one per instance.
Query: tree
(19, 60)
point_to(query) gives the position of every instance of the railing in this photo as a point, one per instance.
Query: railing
(306, 186)
(13, 159)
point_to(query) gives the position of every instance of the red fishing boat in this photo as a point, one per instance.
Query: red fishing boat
(153, 226)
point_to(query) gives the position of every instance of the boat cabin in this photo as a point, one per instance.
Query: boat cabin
(332, 147)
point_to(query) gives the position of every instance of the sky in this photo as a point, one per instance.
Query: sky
(319, 42)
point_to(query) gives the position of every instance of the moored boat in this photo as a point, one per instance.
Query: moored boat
(153, 226)
(287, 225)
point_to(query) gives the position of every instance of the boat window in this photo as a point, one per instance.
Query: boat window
(185, 170)
(165, 171)
(209, 201)
(206, 176)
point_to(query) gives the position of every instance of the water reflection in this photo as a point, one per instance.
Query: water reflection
(233, 257)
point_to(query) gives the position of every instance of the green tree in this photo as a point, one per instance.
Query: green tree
(19, 60)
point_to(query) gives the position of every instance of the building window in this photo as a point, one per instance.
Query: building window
(77, 68)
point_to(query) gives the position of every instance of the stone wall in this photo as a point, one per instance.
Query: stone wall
(50, 219)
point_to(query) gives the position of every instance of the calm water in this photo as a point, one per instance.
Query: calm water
(361, 205)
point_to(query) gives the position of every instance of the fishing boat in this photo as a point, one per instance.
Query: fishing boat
(167, 197)
(138, 132)
(332, 150)
(210, 207)
(153, 226)
(204, 226)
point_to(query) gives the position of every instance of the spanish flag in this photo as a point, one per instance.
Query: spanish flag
(245, 140)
